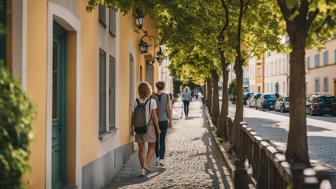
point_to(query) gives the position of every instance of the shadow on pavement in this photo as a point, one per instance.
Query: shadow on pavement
(133, 177)
(311, 128)
(215, 164)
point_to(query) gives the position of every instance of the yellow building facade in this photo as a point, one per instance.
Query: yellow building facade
(81, 71)
(321, 69)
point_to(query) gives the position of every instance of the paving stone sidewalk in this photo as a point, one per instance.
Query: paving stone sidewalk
(192, 158)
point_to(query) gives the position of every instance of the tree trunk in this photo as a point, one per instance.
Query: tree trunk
(297, 147)
(215, 97)
(209, 94)
(240, 102)
(225, 99)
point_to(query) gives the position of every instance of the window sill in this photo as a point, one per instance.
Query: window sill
(108, 134)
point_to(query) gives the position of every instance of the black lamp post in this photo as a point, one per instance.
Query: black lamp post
(139, 19)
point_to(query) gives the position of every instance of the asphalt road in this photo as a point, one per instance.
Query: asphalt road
(274, 126)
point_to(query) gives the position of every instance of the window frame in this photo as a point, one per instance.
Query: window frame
(325, 58)
(102, 93)
(102, 15)
(317, 57)
(112, 93)
(308, 62)
(325, 87)
(112, 22)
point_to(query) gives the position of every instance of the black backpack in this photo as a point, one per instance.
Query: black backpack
(140, 122)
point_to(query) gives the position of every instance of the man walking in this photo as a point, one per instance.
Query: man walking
(165, 120)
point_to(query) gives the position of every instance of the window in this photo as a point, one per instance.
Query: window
(112, 92)
(283, 88)
(325, 84)
(325, 58)
(102, 92)
(317, 60)
(112, 22)
(308, 62)
(102, 15)
(317, 84)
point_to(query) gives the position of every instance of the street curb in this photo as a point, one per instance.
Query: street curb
(223, 146)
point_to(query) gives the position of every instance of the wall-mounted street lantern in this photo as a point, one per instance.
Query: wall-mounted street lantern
(143, 46)
(139, 19)
(159, 56)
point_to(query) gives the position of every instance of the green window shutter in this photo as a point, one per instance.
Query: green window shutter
(102, 91)
(102, 15)
(112, 22)
(112, 92)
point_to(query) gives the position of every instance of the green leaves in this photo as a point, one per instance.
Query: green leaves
(16, 117)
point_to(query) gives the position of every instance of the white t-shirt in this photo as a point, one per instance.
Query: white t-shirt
(152, 104)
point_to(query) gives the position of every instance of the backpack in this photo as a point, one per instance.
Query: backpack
(140, 122)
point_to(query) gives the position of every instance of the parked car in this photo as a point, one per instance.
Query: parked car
(247, 95)
(266, 101)
(252, 101)
(320, 104)
(282, 104)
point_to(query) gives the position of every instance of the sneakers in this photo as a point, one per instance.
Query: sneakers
(148, 169)
(143, 172)
(161, 163)
(157, 163)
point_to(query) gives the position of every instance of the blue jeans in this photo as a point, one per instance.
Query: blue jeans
(186, 107)
(160, 147)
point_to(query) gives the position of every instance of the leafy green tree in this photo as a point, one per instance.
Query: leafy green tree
(16, 117)
(252, 29)
(307, 22)
(225, 31)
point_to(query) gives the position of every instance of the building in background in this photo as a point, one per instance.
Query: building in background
(81, 71)
(321, 70)
(251, 74)
(259, 75)
(164, 75)
(232, 76)
(246, 81)
(276, 73)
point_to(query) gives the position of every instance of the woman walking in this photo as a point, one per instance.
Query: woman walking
(165, 120)
(144, 122)
(186, 98)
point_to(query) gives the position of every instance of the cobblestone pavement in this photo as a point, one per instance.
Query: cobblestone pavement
(274, 126)
(192, 158)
